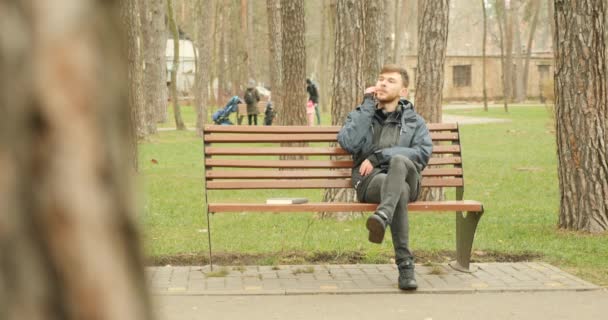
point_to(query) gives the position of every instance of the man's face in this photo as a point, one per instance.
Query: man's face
(390, 87)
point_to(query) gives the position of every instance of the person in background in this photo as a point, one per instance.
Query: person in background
(252, 97)
(310, 113)
(313, 95)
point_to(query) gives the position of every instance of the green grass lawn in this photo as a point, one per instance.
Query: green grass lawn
(510, 167)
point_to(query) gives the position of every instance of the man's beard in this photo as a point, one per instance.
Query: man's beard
(388, 98)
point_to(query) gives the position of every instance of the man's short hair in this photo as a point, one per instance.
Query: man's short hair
(395, 68)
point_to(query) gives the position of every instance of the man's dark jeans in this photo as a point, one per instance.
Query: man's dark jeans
(393, 191)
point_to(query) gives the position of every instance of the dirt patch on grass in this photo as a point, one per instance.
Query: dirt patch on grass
(331, 257)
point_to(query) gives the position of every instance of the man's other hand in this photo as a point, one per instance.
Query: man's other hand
(371, 90)
(366, 168)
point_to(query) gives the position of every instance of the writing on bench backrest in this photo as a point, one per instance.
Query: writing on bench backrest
(227, 168)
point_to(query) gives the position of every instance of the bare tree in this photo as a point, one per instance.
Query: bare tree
(275, 47)
(69, 244)
(177, 113)
(293, 111)
(202, 65)
(581, 109)
(483, 50)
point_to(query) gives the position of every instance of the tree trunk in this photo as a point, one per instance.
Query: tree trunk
(135, 72)
(328, 54)
(433, 24)
(155, 75)
(373, 57)
(388, 25)
(148, 113)
(179, 123)
(397, 30)
(581, 114)
(203, 24)
(483, 50)
(275, 38)
(518, 78)
(551, 15)
(432, 43)
(501, 13)
(221, 64)
(348, 83)
(293, 110)
(508, 22)
(536, 6)
(70, 248)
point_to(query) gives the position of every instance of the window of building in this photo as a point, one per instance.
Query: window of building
(543, 70)
(462, 76)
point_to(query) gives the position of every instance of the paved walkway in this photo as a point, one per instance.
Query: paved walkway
(550, 305)
(359, 279)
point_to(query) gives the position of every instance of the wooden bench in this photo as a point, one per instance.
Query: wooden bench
(242, 111)
(225, 169)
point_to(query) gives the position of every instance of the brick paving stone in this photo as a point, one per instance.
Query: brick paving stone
(490, 277)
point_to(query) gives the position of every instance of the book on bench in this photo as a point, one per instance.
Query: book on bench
(286, 200)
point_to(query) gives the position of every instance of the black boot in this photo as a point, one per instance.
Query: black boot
(376, 224)
(407, 280)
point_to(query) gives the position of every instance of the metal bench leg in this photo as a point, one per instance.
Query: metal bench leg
(209, 237)
(466, 224)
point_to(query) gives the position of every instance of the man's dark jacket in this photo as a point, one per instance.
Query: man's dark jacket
(368, 134)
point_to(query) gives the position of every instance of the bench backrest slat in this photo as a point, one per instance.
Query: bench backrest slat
(312, 174)
(304, 151)
(249, 157)
(315, 184)
(299, 137)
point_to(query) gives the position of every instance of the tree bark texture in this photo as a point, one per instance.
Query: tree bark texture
(398, 31)
(275, 46)
(155, 71)
(69, 244)
(518, 77)
(581, 108)
(348, 85)
(433, 24)
(177, 113)
(135, 57)
(432, 43)
(373, 25)
(148, 113)
(293, 110)
(388, 24)
(203, 25)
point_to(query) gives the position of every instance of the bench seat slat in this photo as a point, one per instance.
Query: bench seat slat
(464, 205)
(298, 137)
(306, 151)
(238, 163)
(312, 174)
(313, 184)
(305, 129)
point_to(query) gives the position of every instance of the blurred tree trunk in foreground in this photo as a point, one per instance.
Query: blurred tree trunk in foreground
(69, 245)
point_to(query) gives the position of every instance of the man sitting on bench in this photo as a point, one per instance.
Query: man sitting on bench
(390, 145)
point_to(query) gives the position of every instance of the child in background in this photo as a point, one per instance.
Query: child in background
(310, 113)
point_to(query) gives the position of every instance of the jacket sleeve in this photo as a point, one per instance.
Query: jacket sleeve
(419, 152)
(353, 133)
